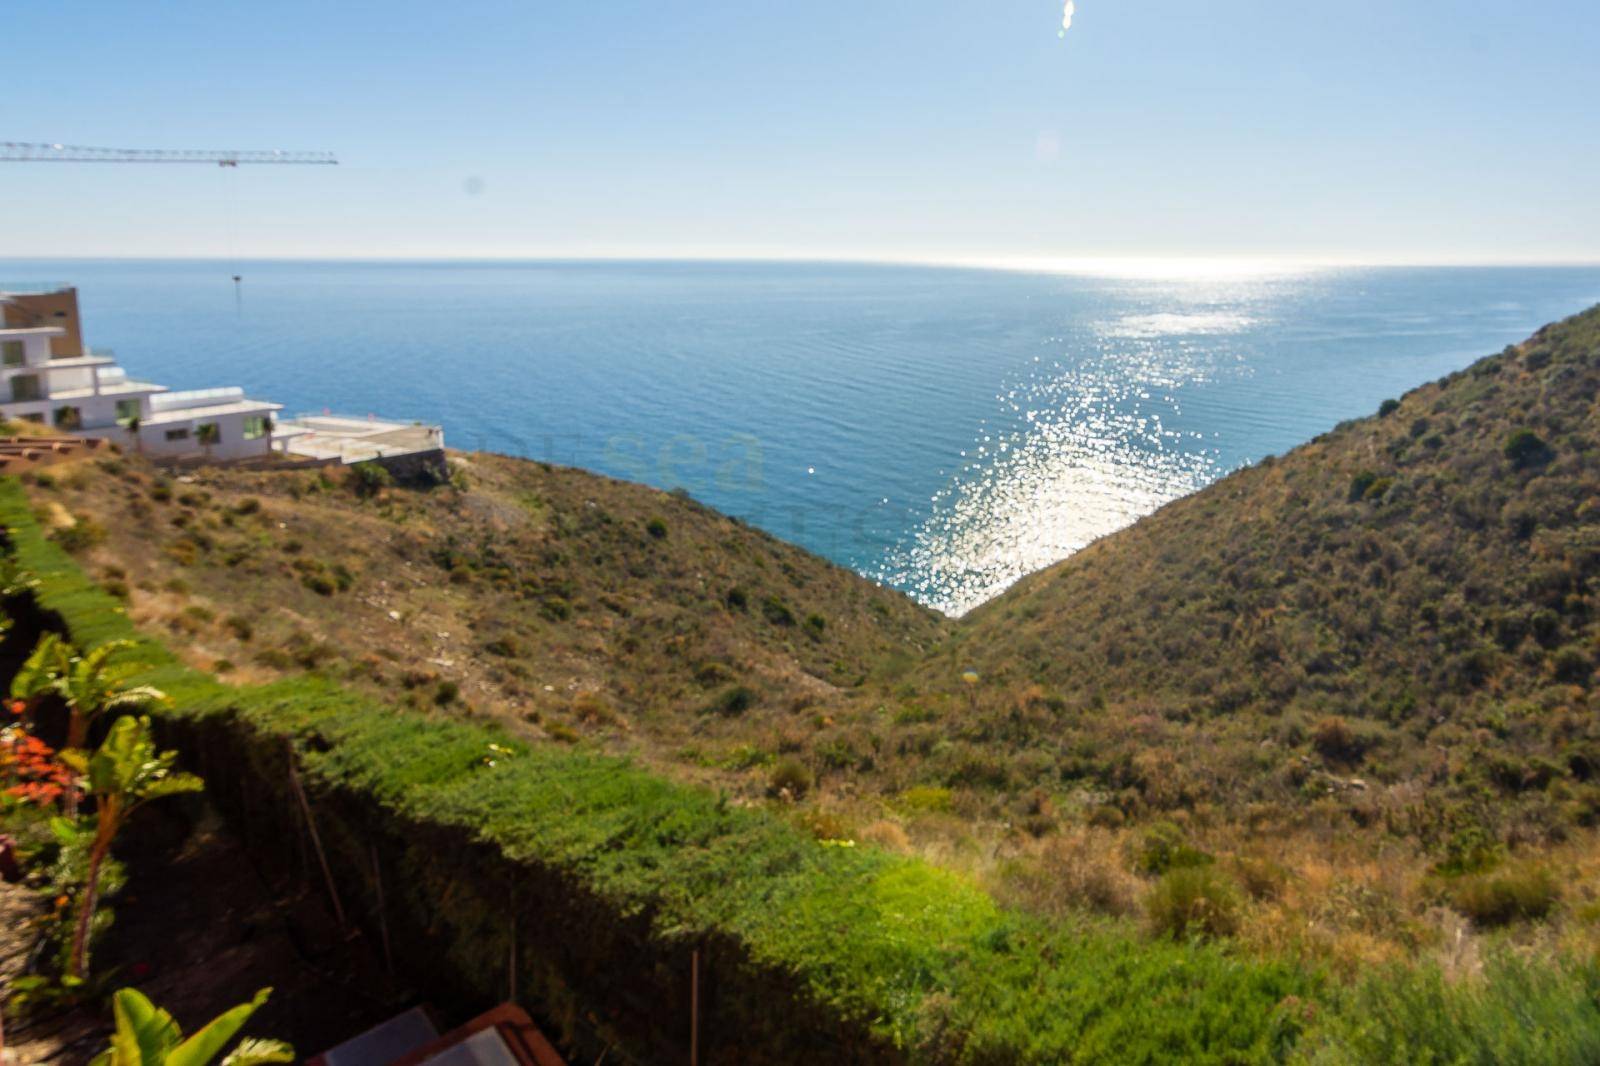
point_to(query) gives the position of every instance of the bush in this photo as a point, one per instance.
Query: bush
(777, 612)
(656, 528)
(1388, 407)
(1193, 901)
(737, 598)
(733, 701)
(791, 778)
(81, 535)
(1339, 740)
(446, 693)
(1572, 666)
(923, 799)
(321, 584)
(1164, 848)
(369, 479)
(1526, 449)
(1527, 893)
(1360, 484)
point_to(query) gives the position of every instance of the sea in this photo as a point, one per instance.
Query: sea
(942, 430)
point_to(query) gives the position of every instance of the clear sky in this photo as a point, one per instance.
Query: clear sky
(1375, 130)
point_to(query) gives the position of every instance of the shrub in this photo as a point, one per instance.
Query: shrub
(791, 778)
(446, 693)
(815, 624)
(1526, 893)
(1333, 738)
(777, 612)
(1388, 407)
(1572, 666)
(925, 799)
(1193, 901)
(733, 701)
(82, 534)
(369, 479)
(504, 647)
(1164, 848)
(561, 731)
(656, 528)
(737, 598)
(1526, 449)
(1360, 484)
(321, 584)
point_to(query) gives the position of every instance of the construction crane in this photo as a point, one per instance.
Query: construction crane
(32, 152)
(28, 152)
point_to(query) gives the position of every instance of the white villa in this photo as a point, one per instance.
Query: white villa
(48, 375)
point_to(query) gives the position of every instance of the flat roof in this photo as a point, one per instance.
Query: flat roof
(190, 414)
(120, 388)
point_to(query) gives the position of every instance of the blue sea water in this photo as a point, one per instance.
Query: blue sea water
(943, 430)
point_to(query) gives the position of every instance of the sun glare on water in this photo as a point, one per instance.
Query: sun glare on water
(1090, 439)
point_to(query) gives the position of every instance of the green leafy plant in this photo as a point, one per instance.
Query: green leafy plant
(209, 434)
(124, 774)
(146, 1035)
(91, 684)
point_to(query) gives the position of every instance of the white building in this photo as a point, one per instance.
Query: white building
(48, 375)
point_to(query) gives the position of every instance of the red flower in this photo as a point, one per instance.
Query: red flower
(18, 707)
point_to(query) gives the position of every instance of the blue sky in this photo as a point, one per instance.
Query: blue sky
(1403, 130)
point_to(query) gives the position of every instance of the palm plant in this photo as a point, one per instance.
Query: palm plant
(208, 434)
(90, 684)
(123, 774)
(132, 426)
(146, 1035)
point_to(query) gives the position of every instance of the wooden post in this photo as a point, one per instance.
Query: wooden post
(316, 841)
(694, 1008)
(512, 961)
(383, 918)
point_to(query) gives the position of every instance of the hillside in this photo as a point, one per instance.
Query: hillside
(571, 606)
(1402, 612)
(1378, 645)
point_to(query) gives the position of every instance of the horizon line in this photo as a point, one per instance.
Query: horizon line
(1151, 265)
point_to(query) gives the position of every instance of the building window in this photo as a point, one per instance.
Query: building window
(127, 412)
(14, 353)
(256, 427)
(68, 417)
(208, 434)
(36, 418)
(25, 387)
(177, 434)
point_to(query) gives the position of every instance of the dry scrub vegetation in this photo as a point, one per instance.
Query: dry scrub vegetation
(1339, 706)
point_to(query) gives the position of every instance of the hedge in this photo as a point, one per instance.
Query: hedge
(601, 879)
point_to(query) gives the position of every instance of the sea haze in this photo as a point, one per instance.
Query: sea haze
(943, 430)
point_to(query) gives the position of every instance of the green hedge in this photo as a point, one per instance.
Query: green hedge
(605, 877)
